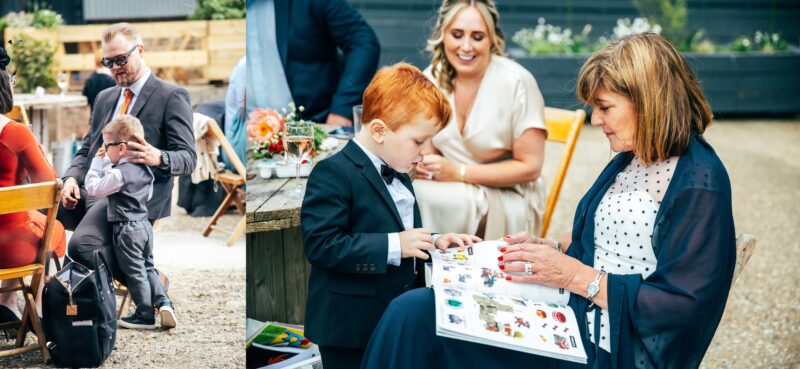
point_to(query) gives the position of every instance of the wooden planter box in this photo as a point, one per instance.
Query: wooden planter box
(735, 83)
(179, 50)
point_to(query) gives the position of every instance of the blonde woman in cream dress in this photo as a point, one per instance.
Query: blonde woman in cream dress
(483, 175)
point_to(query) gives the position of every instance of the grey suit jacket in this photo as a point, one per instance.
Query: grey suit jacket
(166, 115)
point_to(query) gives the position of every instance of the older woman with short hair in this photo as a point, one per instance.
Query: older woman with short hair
(651, 256)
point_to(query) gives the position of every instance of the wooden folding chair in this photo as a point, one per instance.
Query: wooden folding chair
(19, 114)
(745, 246)
(14, 200)
(232, 182)
(563, 126)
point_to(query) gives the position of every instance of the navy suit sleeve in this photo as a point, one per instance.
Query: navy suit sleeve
(361, 50)
(675, 310)
(326, 223)
(179, 131)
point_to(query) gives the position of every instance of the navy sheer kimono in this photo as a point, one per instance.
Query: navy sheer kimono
(664, 321)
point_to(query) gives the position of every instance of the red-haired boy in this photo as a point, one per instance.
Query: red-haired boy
(360, 221)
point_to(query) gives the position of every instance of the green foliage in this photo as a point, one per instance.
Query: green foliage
(547, 39)
(219, 9)
(761, 41)
(46, 18)
(672, 15)
(32, 60)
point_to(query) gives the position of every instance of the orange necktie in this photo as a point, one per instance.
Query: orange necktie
(128, 97)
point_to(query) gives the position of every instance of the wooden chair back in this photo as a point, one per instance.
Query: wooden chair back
(745, 246)
(17, 199)
(232, 182)
(563, 126)
(19, 114)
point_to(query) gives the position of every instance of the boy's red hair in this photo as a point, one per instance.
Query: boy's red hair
(399, 93)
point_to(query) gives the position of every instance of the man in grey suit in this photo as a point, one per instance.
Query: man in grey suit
(167, 147)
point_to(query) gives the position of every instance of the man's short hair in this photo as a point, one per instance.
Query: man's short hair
(126, 30)
(123, 127)
(399, 93)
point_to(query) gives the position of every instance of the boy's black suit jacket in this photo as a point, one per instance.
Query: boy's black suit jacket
(346, 217)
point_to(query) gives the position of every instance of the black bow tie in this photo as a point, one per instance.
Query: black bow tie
(389, 174)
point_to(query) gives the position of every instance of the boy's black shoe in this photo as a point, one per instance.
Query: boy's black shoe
(137, 321)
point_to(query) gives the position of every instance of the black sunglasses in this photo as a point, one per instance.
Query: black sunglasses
(119, 60)
(116, 143)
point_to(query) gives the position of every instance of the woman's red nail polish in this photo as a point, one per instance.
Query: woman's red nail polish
(503, 249)
(502, 267)
(508, 277)
(500, 258)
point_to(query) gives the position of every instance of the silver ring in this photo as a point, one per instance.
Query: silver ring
(529, 268)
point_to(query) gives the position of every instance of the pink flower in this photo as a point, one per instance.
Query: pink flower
(263, 125)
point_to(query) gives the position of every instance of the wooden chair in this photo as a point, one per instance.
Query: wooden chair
(232, 182)
(563, 126)
(19, 114)
(18, 199)
(745, 246)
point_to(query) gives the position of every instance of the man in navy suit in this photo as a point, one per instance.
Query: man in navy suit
(292, 55)
(360, 220)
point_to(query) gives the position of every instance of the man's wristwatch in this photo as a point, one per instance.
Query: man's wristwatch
(164, 160)
(594, 288)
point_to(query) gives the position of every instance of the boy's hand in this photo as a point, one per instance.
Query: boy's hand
(444, 241)
(101, 152)
(414, 241)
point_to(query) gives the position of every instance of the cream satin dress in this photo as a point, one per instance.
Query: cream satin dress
(508, 102)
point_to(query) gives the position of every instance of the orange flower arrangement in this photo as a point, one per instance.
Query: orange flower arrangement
(265, 131)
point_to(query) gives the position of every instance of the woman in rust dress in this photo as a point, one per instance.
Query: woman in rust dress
(21, 159)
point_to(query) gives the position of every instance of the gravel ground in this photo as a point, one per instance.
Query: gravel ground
(208, 292)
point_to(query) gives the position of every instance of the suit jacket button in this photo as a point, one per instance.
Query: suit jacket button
(406, 287)
(372, 267)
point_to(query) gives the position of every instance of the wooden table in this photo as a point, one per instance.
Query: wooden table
(36, 106)
(277, 271)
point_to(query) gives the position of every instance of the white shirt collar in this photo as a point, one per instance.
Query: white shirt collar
(376, 161)
(137, 86)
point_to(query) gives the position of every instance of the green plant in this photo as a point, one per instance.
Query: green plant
(761, 41)
(33, 62)
(547, 39)
(672, 15)
(39, 18)
(46, 18)
(219, 9)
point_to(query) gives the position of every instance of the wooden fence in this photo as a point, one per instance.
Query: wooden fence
(179, 51)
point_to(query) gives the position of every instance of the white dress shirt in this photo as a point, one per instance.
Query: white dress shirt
(103, 179)
(404, 202)
(136, 88)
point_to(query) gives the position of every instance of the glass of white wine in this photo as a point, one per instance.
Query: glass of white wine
(62, 80)
(298, 138)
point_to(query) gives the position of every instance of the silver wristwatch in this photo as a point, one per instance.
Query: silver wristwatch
(594, 288)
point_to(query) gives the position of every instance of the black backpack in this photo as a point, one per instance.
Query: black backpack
(80, 320)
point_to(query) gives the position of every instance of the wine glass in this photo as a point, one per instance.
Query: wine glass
(62, 80)
(297, 140)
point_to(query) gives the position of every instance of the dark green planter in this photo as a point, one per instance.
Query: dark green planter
(752, 83)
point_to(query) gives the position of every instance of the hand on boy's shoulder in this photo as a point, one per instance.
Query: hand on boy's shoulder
(414, 243)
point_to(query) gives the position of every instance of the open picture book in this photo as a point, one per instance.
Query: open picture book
(474, 302)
